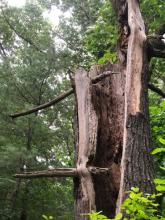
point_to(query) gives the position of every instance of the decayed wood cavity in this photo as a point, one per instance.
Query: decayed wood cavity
(108, 101)
(88, 122)
(100, 108)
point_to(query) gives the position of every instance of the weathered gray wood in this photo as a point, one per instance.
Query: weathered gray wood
(108, 101)
(87, 123)
(103, 76)
(100, 113)
(59, 172)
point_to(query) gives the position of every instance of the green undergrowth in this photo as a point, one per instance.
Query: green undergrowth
(138, 206)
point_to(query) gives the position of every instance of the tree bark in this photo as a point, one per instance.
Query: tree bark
(136, 166)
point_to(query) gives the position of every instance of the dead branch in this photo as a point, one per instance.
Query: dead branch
(61, 97)
(102, 76)
(156, 45)
(60, 172)
(45, 105)
(156, 90)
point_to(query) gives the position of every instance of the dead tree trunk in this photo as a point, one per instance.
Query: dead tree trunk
(100, 123)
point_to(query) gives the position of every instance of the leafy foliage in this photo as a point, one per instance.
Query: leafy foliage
(136, 207)
(101, 38)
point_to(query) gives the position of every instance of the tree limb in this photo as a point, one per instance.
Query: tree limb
(156, 45)
(45, 105)
(157, 90)
(62, 96)
(60, 172)
(28, 40)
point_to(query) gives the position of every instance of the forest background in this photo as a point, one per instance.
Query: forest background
(36, 57)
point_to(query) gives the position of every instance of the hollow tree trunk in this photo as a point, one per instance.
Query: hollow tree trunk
(100, 122)
(113, 121)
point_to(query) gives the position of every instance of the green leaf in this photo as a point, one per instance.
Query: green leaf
(159, 181)
(45, 217)
(160, 188)
(163, 168)
(162, 104)
(161, 140)
(158, 150)
(119, 216)
(135, 189)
